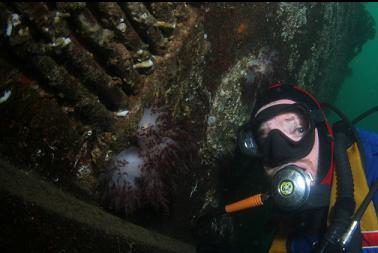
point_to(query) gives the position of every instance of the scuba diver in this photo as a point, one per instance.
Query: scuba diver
(317, 174)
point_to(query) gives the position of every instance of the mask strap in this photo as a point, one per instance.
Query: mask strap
(317, 116)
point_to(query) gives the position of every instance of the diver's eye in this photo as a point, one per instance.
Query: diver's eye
(300, 130)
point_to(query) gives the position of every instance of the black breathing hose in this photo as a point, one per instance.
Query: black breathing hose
(365, 114)
(345, 185)
(345, 204)
(343, 227)
(346, 238)
(365, 203)
(351, 127)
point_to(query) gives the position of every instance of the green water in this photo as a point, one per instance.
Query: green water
(359, 91)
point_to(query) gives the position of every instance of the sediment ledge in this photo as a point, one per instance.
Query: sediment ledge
(38, 217)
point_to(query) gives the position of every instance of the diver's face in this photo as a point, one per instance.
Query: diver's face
(294, 126)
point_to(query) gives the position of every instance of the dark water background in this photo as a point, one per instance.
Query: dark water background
(359, 91)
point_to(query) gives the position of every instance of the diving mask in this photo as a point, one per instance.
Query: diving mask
(279, 134)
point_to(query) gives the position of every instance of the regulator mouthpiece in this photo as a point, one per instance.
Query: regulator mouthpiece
(290, 188)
